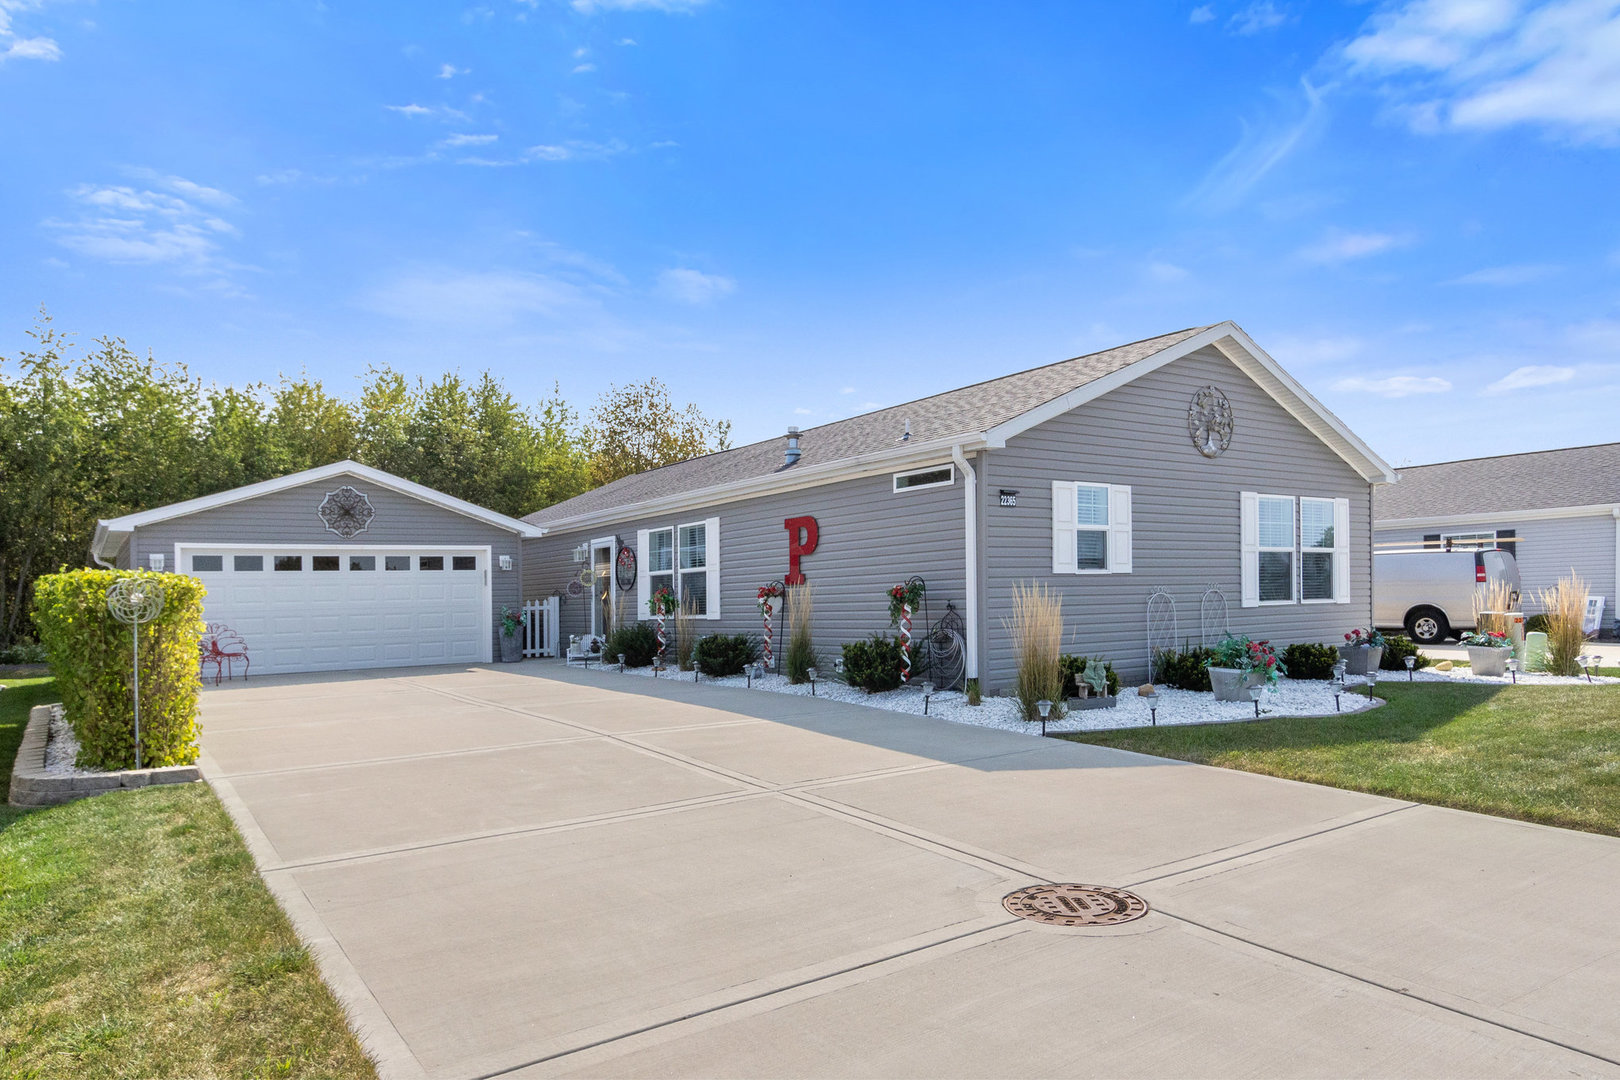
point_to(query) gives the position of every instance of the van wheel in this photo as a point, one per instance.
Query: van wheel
(1427, 626)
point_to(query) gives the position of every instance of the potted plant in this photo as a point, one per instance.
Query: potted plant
(511, 637)
(1488, 652)
(1362, 650)
(1237, 663)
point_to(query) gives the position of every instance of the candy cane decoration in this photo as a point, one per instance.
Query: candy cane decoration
(765, 607)
(660, 636)
(905, 643)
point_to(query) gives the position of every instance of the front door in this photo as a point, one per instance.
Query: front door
(602, 587)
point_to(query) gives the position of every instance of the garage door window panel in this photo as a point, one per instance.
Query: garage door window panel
(326, 563)
(290, 563)
(396, 562)
(207, 564)
(247, 564)
(362, 562)
(430, 562)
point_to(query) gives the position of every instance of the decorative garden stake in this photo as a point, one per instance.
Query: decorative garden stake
(903, 600)
(768, 595)
(134, 601)
(661, 604)
(1043, 707)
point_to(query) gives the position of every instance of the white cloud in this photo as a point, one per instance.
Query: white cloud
(801, 412)
(1341, 246)
(1165, 273)
(450, 71)
(1393, 386)
(124, 224)
(1506, 275)
(847, 390)
(672, 7)
(1487, 64)
(460, 139)
(581, 69)
(15, 47)
(1203, 14)
(1260, 148)
(437, 112)
(1531, 375)
(1258, 16)
(694, 286)
(1302, 352)
(627, 41)
(489, 298)
(575, 150)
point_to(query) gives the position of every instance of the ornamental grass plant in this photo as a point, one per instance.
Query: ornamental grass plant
(1492, 601)
(685, 633)
(1565, 608)
(1036, 628)
(801, 650)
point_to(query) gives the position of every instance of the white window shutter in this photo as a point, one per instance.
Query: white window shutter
(1250, 544)
(1341, 551)
(711, 565)
(643, 585)
(1064, 559)
(1119, 528)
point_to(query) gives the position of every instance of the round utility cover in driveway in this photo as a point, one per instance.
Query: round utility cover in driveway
(1075, 905)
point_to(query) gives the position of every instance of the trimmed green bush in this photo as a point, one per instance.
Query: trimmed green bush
(1397, 647)
(638, 642)
(1184, 670)
(719, 655)
(90, 652)
(23, 652)
(1536, 624)
(874, 664)
(1074, 669)
(1306, 661)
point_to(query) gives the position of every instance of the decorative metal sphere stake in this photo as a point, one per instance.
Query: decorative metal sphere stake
(133, 601)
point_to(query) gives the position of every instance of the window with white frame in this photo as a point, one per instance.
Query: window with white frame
(937, 476)
(684, 559)
(1294, 549)
(1091, 528)
(1468, 541)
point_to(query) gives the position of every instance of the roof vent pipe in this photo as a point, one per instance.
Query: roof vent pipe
(791, 455)
(907, 436)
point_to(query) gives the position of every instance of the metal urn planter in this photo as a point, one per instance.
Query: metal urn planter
(1360, 659)
(1487, 661)
(511, 647)
(1230, 684)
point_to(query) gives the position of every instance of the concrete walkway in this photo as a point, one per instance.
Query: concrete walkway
(531, 871)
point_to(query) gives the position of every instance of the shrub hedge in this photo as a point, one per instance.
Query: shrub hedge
(1397, 647)
(1306, 661)
(1184, 670)
(90, 653)
(638, 642)
(874, 664)
(719, 655)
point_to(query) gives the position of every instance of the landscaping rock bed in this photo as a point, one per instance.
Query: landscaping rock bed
(45, 775)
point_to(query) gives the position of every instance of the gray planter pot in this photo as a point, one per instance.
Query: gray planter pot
(1085, 704)
(511, 648)
(1230, 684)
(1360, 659)
(1487, 661)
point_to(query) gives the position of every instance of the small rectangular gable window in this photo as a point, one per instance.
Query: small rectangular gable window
(362, 562)
(396, 562)
(289, 562)
(207, 564)
(326, 562)
(247, 563)
(925, 478)
(464, 562)
(430, 562)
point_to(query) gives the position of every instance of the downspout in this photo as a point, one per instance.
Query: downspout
(95, 554)
(970, 522)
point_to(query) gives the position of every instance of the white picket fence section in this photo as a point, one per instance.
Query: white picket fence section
(540, 627)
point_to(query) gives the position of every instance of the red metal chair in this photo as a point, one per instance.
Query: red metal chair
(222, 647)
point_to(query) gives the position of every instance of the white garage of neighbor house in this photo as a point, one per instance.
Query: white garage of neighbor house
(344, 566)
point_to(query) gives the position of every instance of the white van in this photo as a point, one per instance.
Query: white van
(1430, 594)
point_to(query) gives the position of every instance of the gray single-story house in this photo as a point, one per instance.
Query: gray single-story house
(1177, 465)
(1556, 510)
(344, 566)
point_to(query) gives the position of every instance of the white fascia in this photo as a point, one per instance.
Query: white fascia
(1486, 518)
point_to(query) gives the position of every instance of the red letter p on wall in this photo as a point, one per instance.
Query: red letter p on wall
(803, 534)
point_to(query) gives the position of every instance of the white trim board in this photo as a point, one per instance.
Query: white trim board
(110, 528)
(1485, 518)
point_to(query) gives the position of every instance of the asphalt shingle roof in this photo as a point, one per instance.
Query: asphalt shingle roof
(1542, 480)
(965, 411)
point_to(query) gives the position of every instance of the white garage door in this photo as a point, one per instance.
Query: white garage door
(328, 608)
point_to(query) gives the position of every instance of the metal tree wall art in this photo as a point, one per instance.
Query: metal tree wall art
(134, 601)
(1209, 421)
(346, 512)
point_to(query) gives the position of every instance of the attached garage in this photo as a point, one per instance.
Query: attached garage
(336, 568)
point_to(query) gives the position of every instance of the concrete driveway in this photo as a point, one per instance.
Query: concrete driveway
(532, 871)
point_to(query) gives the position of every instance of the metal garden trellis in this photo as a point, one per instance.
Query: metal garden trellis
(1161, 627)
(1212, 617)
(134, 601)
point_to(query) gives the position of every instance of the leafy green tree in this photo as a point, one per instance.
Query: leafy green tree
(310, 427)
(637, 427)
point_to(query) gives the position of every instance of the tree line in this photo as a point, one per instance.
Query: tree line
(100, 432)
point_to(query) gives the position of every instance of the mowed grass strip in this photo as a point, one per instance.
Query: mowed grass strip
(1549, 754)
(136, 940)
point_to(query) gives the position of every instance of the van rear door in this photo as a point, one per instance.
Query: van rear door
(1499, 565)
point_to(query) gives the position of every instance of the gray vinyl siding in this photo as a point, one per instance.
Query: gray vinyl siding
(1547, 549)
(871, 539)
(1185, 509)
(289, 517)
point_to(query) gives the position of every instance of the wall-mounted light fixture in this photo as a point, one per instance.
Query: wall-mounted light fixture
(506, 562)
(155, 561)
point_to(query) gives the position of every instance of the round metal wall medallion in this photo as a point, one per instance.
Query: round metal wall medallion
(346, 512)
(1075, 905)
(1209, 421)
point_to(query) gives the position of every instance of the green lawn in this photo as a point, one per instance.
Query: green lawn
(1543, 753)
(136, 940)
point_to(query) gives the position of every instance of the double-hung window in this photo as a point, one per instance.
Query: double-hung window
(694, 568)
(660, 562)
(1294, 550)
(685, 559)
(1091, 528)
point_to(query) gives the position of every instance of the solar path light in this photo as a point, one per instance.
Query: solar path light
(928, 692)
(1153, 707)
(1372, 681)
(1254, 696)
(1043, 707)
(1411, 665)
(1513, 669)
(812, 672)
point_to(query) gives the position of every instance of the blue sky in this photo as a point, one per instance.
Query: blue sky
(793, 212)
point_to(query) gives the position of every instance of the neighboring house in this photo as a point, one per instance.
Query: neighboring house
(1179, 463)
(1556, 510)
(343, 566)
